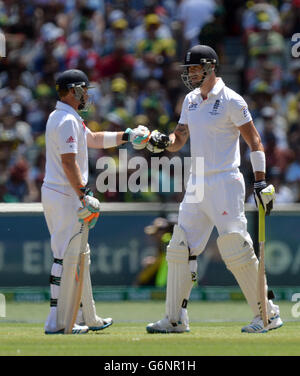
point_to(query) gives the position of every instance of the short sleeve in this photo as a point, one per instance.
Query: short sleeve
(87, 130)
(239, 112)
(67, 137)
(183, 116)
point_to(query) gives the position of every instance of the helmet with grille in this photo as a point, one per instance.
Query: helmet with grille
(199, 55)
(73, 78)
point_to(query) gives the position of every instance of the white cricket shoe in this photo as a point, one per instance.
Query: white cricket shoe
(77, 329)
(80, 329)
(95, 325)
(165, 326)
(101, 324)
(257, 325)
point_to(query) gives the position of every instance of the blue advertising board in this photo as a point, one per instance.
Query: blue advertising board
(119, 245)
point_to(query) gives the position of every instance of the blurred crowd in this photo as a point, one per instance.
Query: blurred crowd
(131, 51)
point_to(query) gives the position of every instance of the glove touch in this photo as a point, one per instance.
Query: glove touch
(158, 142)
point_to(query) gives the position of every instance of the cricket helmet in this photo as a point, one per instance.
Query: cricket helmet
(74, 78)
(199, 55)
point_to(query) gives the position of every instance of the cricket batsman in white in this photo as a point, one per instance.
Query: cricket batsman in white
(67, 202)
(213, 116)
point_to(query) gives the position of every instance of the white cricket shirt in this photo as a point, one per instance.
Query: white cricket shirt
(213, 125)
(65, 133)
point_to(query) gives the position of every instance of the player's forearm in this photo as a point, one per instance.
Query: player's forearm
(257, 155)
(177, 142)
(104, 140)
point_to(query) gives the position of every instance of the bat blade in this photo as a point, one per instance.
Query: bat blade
(262, 290)
(262, 281)
(79, 279)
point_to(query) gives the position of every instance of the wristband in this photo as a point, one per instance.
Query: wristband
(109, 139)
(258, 161)
(261, 184)
(85, 192)
(126, 134)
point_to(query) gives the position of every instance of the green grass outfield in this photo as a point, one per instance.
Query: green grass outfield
(215, 330)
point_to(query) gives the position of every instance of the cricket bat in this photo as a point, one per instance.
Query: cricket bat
(262, 281)
(79, 278)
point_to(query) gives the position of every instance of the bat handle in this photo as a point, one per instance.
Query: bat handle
(261, 224)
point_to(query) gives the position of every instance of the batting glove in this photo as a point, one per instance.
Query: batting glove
(158, 142)
(90, 211)
(88, 201)
(264, 195)
(139, 136)
(85, 216)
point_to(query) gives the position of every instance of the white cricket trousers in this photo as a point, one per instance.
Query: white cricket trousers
(222, 205)
(60, 210)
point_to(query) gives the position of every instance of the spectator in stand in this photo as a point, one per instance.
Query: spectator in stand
(213, 33)
(118, 97)
(293, 113)
(276, 157)
(265, 45)
(268, 73)
(290, 18)
(294, 136)
(17, 184)
(153, 51)
(193, 15)
(293, 78)
(50, 49)
(153, 95)
(284, 194)
(139, 33)
(13, 88)
(266, 41)
(261, 95)
(36, 177)
(270, 122)
(118, 62)
(117, 29)
(85, 15)
(293, 174)
(84, 52)
(260, 11)
(283, 100)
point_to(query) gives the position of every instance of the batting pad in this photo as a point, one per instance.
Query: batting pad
(68, 283)
(179, 283)
(239, 257)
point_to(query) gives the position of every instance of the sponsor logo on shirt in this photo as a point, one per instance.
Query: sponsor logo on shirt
(70, 140)
(245, 111)
(215, 107)
(192, 106)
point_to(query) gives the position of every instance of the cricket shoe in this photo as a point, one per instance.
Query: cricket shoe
(101, 324)
(77, 329)
(257, 325)
(165, 326)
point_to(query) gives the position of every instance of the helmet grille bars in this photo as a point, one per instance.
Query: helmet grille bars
(207, 70)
